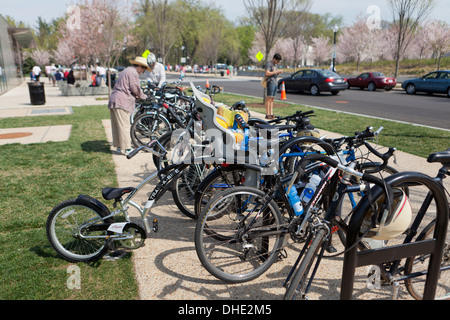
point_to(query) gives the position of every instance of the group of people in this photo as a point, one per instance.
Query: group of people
(98, 76)
(53, 74)
(127, 89)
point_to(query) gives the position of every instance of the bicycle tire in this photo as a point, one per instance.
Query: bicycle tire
(300, 276)
(185, 187)
(415, 286)
(226, 253)
(164, 161)
(217, 181)
(66, 218)
(144, 129)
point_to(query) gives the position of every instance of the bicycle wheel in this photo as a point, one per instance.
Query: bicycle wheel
(164, 161)
(148, 127)
(243, 241)
(216, 181)
(299, 283)
(68, 237)
(185, 187)
(419, 264)
(293, 150)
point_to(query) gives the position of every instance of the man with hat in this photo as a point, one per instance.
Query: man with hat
(122, 103)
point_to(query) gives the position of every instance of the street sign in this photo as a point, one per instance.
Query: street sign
(146, 53)
(259, 56)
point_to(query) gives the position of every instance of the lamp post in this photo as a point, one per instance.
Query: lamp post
(335, 30)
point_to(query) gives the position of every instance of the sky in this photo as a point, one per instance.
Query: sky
(29, 10)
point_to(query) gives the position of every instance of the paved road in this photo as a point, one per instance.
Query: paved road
(422, 109)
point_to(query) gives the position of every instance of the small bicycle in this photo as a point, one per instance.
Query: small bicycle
(84, 229)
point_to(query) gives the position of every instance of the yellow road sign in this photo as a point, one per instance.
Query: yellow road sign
(146, 53)
(259, 56)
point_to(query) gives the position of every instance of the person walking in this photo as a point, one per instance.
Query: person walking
(272, 73)
(122, 103)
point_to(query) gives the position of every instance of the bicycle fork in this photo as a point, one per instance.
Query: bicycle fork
(324, 233)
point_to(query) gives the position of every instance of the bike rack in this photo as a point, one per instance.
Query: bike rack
(354, 258)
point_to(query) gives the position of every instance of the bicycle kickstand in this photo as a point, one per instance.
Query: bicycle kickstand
(396, 287)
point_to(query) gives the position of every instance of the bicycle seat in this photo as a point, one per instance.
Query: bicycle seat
(115, 193)
(442, 157)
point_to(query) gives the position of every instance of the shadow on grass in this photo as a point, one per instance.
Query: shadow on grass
(96, 146)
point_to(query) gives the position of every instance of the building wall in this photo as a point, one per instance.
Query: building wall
(9, 77)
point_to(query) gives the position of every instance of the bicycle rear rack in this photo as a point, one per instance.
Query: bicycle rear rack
(434, 247)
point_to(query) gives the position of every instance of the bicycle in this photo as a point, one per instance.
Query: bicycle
(241, 231)
(161, 118)
(291, 152)
(299, 280)
(84, 229)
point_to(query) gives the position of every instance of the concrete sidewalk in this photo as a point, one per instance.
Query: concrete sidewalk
(16, 103)
(19, 98)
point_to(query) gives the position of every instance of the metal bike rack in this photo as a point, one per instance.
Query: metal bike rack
(354, 258)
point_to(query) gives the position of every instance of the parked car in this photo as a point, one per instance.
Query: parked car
(433, 82)
(315, 81)
(372, 81)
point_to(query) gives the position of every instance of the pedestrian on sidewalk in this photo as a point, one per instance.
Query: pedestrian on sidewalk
(271, 74)
(122, 103)
(37, 73)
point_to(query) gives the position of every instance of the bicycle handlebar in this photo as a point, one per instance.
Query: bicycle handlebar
(148, 147)
(292, 117)
(359, 175)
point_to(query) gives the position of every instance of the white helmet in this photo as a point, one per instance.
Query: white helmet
(391, 223)
(151, 58)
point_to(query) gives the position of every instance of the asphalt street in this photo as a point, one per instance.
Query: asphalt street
(421, 109)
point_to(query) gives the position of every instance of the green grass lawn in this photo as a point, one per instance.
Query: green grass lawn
(36, 177)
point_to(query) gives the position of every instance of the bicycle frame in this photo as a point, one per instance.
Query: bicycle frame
(169, 174)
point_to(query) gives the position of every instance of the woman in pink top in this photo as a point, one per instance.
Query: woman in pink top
(122, 103)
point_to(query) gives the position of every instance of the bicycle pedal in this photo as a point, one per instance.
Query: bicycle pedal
(282, 255)
(331, 249)
(155, 225)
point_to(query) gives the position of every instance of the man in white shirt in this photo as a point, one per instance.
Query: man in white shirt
(101, 72)
(37, 72)
(158, 73)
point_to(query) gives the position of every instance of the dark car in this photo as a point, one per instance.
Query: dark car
(372, 81)
(315, 81)
(433, 82)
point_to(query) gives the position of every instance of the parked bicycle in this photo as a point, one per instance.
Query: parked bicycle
(84, 229)
(241, 231)
(412, 218)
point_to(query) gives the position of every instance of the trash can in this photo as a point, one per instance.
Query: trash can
(37, 93)
(222, 73)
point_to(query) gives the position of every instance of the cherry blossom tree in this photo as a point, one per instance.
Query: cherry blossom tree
(98, 31)
(407, 16)
(321, 48)
(40, 57)
(439, 39)
(359, 43)
(419, 48)
(64, 54)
